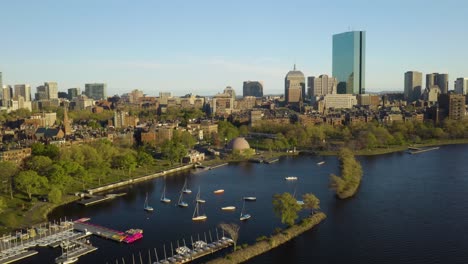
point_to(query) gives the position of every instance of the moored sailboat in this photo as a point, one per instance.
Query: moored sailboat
(164, 199)
(244, 216)
(196, 214)
(146, 207)
(198, 199)
(185, 189)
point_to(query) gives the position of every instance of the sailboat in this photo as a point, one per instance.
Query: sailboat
(244, 216)
(181, 202)
(164, 199)
(198, 199)
(196, 214)
(185, 189)
(146, 207)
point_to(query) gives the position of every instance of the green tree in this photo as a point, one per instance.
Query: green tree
(30, 182)
(144, 159)
(173, 151)
(351, 174)
(7, 171)
(55, 195)
(233, 231)
(126, 162)
(3, 205)
(40, 164)
(311, 202)
(59, 177)
(286, 207)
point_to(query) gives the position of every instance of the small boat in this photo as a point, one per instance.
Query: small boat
(220, 191)
(66, 260)
(164, 199)
(228, 208)
(299, 202)
(185, 189)
(198, 199)
(243, 216)
(320, 163)
(196, 214)
(290, 178)
(250, 198)
(181, 202)
(146, 207)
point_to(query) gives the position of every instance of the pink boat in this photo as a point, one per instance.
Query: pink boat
(132, 238)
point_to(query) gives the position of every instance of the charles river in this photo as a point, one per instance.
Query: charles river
(409, 209)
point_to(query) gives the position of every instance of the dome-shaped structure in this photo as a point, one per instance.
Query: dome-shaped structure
(294, 73)
(238, 144)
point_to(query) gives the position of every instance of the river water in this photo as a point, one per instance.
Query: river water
(409, 209)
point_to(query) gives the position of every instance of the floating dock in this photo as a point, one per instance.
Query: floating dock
(129, 236)
(413, 150)
(75, 250)
(16, 256)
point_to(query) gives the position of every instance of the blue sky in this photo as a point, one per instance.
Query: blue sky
(203, 46)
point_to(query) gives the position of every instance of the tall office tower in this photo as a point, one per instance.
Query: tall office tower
(294, 86)
(97, 91)
(73, 92)
(349, 62)
(439, 79)
(41, 93)
(23, 90)
(322, 85)
(52, 90)
(229, 90)
(252, 88)
(7, 95)
(413, 85)
(461, 86)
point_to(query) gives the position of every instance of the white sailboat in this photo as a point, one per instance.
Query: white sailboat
(164, 199)
(146, 207)
(185, 189)
(181, 202)
(299, 202)
(198, 199)
(196, 214)
(244, 216)
(228, 208)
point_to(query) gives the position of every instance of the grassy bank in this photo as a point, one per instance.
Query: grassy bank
(266, 244)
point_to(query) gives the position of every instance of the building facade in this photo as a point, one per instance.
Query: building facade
(339, 101)
(23, 90)
(252, 88)
(413, 85)
(96, 91)
(461, 86)
(454, 105)
(322, 85)
(51, 89)
(73, 92)
(294, 87)
(349, 58)
(437, 79)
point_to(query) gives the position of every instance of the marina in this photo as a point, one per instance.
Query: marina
(19, 246)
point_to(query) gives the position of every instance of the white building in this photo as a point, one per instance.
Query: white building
(339, 101)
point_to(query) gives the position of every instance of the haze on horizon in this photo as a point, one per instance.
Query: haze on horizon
(203, 46)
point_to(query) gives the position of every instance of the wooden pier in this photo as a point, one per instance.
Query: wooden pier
(94, 199)
(414, 150)
(74, 250)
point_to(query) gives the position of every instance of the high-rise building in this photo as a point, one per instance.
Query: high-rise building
(52, 90)
(252, 88)
(322, 85)
(97, 91)
(461, 86)
(7, 95)
(294, 87)
(229, 90)
(41, 93)
(73, 92)
(439, 79)
(349, 57)
(413, 85)
(23, 90)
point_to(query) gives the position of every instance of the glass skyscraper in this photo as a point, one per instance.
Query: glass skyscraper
(349, 57)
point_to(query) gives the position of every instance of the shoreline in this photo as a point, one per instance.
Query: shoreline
(265, 244)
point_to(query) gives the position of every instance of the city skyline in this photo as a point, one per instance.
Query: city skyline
(205, 47)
